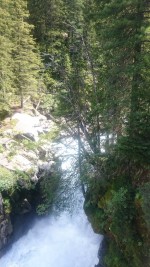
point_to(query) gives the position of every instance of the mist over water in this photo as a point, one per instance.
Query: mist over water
(66, 240)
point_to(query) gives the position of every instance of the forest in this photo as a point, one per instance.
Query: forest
(87, 63)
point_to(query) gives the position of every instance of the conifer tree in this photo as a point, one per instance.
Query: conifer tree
(26, 59)
(6, 46)
(121, 39)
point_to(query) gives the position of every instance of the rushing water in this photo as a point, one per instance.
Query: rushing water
(63, 241)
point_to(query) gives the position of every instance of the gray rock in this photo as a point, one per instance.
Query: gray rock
(18, 156)
(32, 136)
(29, 136)
(26, 206)
(5, 225)
(34, 179)
(5, 231)
(22, 163)
(1, 205)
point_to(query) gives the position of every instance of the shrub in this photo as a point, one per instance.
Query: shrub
(7, 179)
(1, 148)
(48, 188)
(7, 205)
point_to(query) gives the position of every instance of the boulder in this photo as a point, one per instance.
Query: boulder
(26, 126)
(33, 136)
(45, 168)
(21, 163)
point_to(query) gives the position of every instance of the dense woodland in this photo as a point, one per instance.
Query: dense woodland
(87, 63)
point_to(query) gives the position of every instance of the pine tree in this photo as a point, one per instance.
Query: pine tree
(6, 46)
(121, 37)
(26, 59)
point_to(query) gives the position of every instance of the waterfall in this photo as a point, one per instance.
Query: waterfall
(66, 240)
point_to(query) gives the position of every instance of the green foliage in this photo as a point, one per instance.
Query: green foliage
(6, 48)
(48, 188)
(145, 202)
(47, 103)
(26, 59)
(114, 257)
(118, 202)
(23, 179)
(42, 209)
(4, 109)
(114, 215)
(97, 218)
(126, 255)
(2, 149)
(121, 210)
(7, 179)
(29, 144)
(7, 206)
(20, 62)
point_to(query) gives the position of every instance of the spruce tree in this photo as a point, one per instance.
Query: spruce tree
(121, 27)
(26, 58)
(6, 47)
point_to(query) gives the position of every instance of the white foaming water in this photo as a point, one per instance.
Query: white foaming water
(67, 241)
(64, 241)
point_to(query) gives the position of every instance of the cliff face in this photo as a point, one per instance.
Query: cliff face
(6, 227)
(29, 172)
(118, 205)
(123, 217)
(25, 197)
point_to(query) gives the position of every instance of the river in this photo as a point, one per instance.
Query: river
(66, 240)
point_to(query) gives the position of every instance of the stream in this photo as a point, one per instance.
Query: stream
(66, 240)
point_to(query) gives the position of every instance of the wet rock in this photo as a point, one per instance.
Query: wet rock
(6, 228)
(26, 206)
(42, 153)
(45, 168)
(34, 179)
(29, 136)
(102, 252)
(1, 205)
